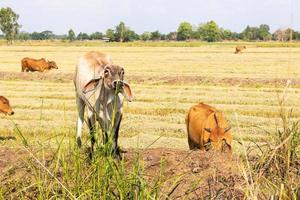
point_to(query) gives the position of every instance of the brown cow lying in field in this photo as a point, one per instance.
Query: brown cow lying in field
(5, 107)
(239, 49)
(207, 128)
(41, 65)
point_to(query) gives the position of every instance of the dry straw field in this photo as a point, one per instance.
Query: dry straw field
(166, 81)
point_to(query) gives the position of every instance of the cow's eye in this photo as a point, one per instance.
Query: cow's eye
(106, 72)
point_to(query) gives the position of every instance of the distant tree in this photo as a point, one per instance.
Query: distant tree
(296, 35)
(145, 36)
(184, 31)
(23, 36)
(155, 35)
(9, 23)
(121, 32)
(83, 36)
(47, 35)
(96, 36)
(226, 34)
(250, 33)
(210, 32)
(131, 36)
(71, 35)
(110, 33)
(36, 36)
(171, 36)
(124, 34)
(264, 32)
(163, 36)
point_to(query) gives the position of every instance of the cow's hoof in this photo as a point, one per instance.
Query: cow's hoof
(78, 142)
(117, 155)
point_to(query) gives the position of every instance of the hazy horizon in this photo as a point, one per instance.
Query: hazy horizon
(163, 15)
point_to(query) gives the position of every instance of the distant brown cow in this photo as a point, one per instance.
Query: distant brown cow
(41, 65)
(207, 128)
(239, 49)
(5, 107)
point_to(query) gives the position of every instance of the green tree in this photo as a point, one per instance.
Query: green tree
(155, 35)
(83, 36)
(47, 35)
(146, 36)
(122, 32)
(184, 31)
(71, 35)
(250, 33)
(209, 32)
(131, 36)
(23, 36)
(171, 36)
(96, 36)
(110, 33)
(9, 23)
(226, 34)
(264, 32)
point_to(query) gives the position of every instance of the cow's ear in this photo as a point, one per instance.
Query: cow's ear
(127, 91)
(91, 85)
(208, 130)
(227, 129)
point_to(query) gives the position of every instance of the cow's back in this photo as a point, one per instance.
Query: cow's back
(197, 119)
(89, 67)
(238, 49)
(34, 64)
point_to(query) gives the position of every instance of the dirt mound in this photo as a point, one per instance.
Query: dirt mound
(183, 174)
(192, 174)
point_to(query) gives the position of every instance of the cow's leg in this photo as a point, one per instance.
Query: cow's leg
(91, 125)
(80, 120)
(115, 146)
(104, 133)
(192, 145)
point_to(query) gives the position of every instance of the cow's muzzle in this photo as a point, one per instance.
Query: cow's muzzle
(117, 84)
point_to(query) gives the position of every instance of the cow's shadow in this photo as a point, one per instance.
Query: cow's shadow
(7, 138)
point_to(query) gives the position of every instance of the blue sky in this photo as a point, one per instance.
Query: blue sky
(141, 15)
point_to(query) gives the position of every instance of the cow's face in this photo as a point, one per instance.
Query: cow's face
(219, 139)
(52, 65)
(5, 107)
(113, 80)
(113, 76)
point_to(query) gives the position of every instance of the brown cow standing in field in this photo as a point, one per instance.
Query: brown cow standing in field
(41, 65)
(239, 49)
(207, 128)
(5, 107)
(100, 87)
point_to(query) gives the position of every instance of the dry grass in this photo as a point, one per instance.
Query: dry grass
(45, 103)
(244, 86)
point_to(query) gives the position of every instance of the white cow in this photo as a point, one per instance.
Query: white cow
(100, 86)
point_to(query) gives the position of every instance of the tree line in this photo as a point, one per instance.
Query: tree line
(209, 31)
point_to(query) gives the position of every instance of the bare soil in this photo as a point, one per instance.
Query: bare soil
(171, 80)
(184, 174)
